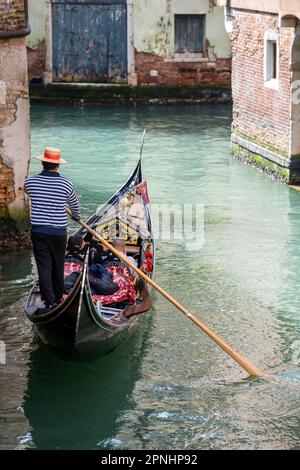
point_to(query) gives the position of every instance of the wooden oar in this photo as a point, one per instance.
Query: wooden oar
(243, 362)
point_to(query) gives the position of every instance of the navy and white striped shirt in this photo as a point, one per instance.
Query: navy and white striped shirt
(49, 192)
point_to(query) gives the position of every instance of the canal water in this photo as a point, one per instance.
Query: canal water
(169, 386)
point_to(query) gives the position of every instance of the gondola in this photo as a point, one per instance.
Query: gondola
(79, 328)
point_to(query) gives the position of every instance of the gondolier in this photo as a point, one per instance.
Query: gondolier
(49, 192)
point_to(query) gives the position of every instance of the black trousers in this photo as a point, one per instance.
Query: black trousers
(49, 253)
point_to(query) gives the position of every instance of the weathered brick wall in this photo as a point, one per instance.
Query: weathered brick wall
(260, 113)
(7, 192)
(152, 69)
(181, 73)
(12, 18)
(36, 61)
(14, 126)
(12, 15)
(14, 89)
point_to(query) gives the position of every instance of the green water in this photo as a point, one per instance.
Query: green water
(169, 386)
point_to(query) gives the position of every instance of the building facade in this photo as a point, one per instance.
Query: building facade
(135, 42)
(265, 40)
(14, 115)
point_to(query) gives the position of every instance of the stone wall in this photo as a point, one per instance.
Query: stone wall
(7, 191)
(36, 41)
(36, 61)
(260, 114)
(14, 125)
(12, 17)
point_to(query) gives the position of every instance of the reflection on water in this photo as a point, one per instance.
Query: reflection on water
(77, 405)
(169, 387)
(15, 280)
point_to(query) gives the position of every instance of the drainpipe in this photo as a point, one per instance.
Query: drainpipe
(22, 32)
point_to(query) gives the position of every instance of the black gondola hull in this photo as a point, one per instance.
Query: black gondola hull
(96, 337)
(93, 340)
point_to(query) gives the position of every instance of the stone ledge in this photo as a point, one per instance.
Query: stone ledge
(259, 150)
(273, 170)
(189, 59)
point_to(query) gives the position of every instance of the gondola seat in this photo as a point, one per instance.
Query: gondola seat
(122, 277)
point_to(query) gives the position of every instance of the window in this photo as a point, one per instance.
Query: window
(189, 33)
(5, 4)
(271, 60)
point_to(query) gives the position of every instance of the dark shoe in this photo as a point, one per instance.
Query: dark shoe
(43, 310)
(46, 309)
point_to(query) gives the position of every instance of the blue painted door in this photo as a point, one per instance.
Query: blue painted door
(89, 41)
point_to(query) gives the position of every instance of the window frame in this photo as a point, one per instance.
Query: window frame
(271, 63)
(189, 53)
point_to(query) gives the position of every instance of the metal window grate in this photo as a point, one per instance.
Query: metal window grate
(189, 33)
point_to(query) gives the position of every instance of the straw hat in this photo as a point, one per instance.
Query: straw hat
(51, 155)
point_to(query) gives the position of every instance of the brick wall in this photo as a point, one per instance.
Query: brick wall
(152, 69)
(12, 15)
(7, 192)
(36, 61)
(260, 113)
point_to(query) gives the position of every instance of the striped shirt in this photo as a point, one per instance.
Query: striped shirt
(49, 193)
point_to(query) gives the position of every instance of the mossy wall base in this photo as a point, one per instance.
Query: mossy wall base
(273, 163)
(89, 94)
(268, 167)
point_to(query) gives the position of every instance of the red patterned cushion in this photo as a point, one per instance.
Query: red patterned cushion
(122, 277)
(71, 268)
